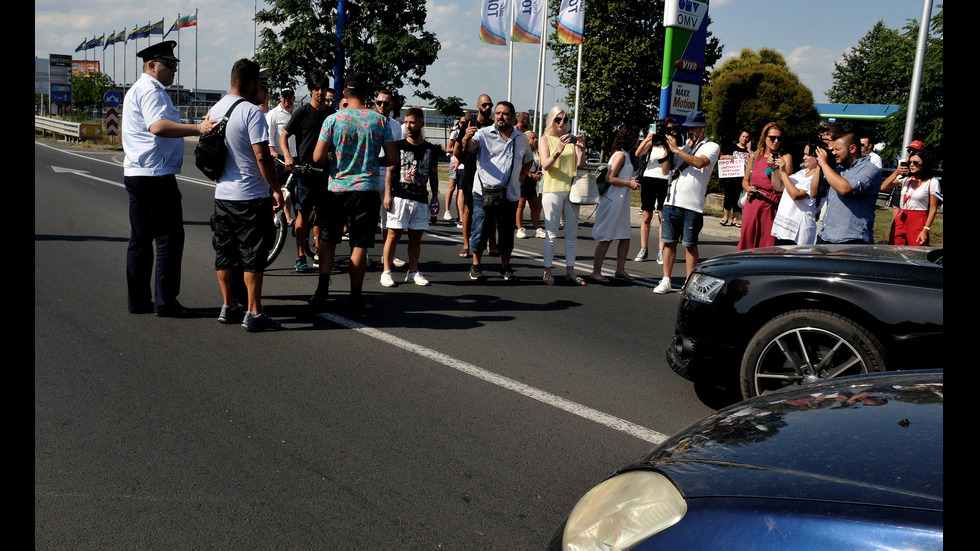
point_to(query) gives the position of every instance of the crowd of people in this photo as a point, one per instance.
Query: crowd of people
(362, 169)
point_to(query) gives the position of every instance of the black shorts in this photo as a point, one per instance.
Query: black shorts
(653, 193)
(309, 192)
(243, 234)
(529, 188)
(358, 209)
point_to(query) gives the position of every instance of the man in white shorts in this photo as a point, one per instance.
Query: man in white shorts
(408, 191)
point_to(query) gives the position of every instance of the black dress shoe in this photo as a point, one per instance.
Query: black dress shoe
(175, 310)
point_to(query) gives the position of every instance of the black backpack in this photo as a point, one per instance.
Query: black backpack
(211, 151)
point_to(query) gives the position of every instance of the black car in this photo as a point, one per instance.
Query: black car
(851, 463)
(762, 319)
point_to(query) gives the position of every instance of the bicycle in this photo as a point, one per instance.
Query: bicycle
(280, 219)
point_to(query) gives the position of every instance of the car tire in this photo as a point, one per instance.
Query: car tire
(805, 346)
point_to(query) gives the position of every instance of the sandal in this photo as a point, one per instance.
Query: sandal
(599, 278)
(626, 276)
(738, 224)
(549, 280)
(465, 253)
(575, 281)
(724, 222)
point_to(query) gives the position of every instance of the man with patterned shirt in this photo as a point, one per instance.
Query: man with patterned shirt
(350, 141)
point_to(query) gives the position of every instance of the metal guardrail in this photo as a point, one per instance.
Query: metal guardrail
(70, 130)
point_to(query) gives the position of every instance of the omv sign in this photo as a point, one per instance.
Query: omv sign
(685, 14)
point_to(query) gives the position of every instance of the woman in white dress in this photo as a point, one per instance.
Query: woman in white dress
(612, 216)
(796, 222)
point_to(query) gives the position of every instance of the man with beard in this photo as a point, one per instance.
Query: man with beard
(503, 159)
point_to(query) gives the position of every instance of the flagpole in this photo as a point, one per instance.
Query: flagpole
(544, 64)
(537, 82)
(195, 52)
(578, 87)
(510, 63)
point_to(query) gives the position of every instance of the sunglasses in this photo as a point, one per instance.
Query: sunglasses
(379, 103)
(775, 138)
(172, 65)
(488, 104)
(560, 120)
(330, 100)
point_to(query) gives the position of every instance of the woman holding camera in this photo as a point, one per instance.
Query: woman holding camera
(918, 205)
(561, 154)
(763, 184)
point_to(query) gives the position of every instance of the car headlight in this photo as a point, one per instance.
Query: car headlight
(623, 511)
(703, 288)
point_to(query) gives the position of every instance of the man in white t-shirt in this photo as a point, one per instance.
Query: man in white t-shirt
(246, 195)
(689, 168)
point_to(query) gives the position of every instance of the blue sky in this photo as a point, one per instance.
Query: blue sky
(811, 39)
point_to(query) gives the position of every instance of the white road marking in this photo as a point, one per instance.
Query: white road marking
(574, 408)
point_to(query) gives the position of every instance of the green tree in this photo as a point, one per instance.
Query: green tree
(879, 71)
(384, 39)
(622, 61)
(876, 70)
(87, 90)
(754, 89)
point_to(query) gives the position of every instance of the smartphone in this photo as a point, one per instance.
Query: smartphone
(572, 140)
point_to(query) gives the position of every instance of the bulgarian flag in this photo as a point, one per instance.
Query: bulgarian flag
(571, 21)
(186, 21)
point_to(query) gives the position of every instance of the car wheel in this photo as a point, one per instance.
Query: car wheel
(806, 346)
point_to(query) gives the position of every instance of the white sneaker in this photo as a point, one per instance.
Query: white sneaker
(664, 286)
(386, 280)
(540, 234)
(660, 256)
(447, 216)
(398, 262)
(521, 233)
(641, 256)
(417, 278)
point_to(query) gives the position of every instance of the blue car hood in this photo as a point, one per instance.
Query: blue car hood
(875, 440)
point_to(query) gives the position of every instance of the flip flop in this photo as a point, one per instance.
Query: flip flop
(724, 222)
(465, 253)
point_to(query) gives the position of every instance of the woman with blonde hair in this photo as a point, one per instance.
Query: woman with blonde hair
(763, 185)
(561, 154)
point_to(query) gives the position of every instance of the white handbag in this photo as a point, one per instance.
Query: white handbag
(584, 190)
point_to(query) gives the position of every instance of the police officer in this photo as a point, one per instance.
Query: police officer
(152, 135)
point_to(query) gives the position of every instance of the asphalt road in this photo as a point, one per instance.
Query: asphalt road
(456, 416)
